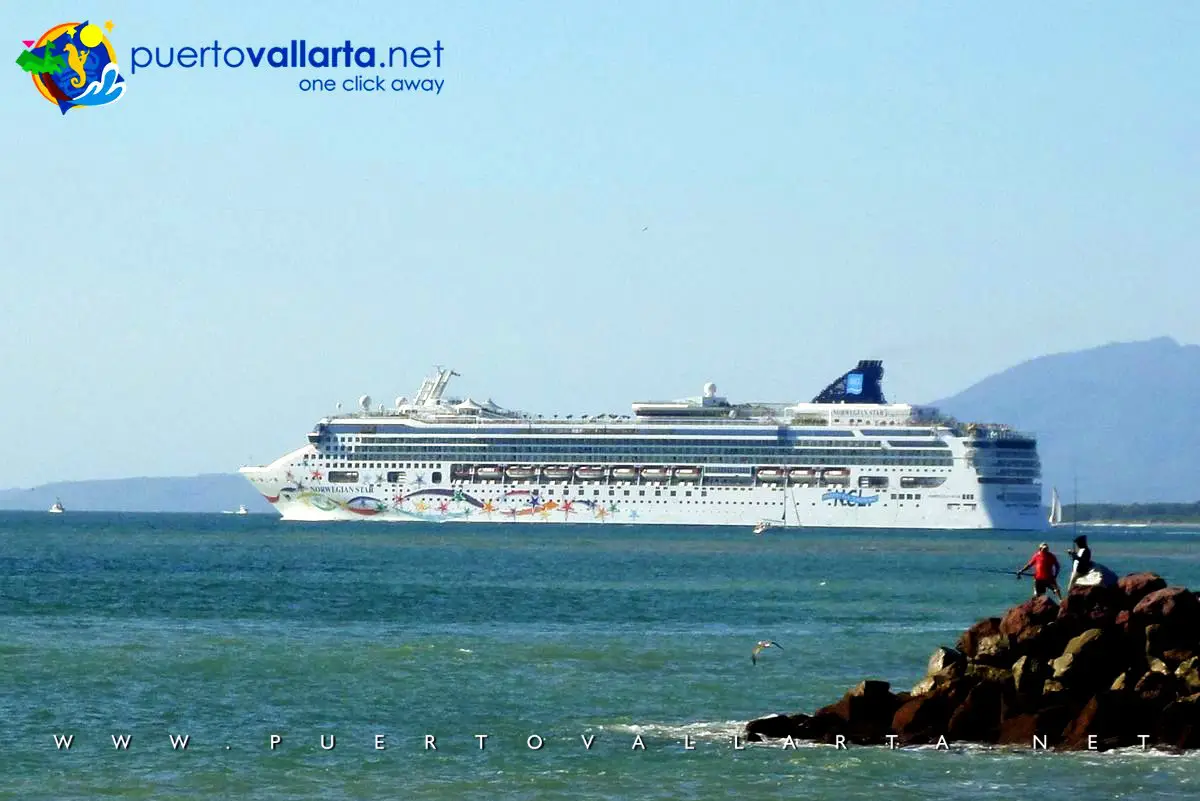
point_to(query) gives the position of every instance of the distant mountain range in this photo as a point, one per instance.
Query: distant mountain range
(1117, 419)
(215, 492)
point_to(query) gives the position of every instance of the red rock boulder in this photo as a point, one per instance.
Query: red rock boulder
(866, 711)
(1137, 586)
(1034, 612)
(1169, 605)
(1179, 724)
(1091, 607)
(1114, 718)
(968, 643)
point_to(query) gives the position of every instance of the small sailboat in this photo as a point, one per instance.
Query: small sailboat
(56, 508)
(766, 524)
(1055, 508)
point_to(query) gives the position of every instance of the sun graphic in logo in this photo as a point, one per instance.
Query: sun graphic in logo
(74, 64)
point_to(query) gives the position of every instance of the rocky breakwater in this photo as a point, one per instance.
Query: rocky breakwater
(1111, 667)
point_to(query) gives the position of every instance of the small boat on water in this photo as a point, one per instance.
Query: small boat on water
(241, 510)
(1055, 508)
(56, 508)
(766, 525)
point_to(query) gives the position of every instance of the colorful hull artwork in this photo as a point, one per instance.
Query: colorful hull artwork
(441, 505)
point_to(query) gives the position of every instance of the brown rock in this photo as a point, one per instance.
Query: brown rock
(925, 718)
(1091, 607)
(924, 686)
(943, 658)
(1188, 674)
(1177, 656)
(993, 650)
(1090, 660)
(943, 677)
(1028, 677)
(1047, 642)
(1167, 605)
(988, 673)
(977, 719)
(1114, 718)
(1048, 722)
(1034, 612)
(1179, 724)
(969, 640)
(772, 727)
(1018, 729)
(1056, 693)
(1163, 638)
(1137, 586)
(866, 711)
(1156, 689)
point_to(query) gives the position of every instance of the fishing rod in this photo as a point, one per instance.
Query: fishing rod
(989, 570)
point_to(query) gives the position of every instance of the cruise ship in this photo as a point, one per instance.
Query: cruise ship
(847, 459)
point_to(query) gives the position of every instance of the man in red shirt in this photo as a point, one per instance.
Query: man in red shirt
(1045, 571)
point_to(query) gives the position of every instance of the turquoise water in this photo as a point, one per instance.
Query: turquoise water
(232, 629)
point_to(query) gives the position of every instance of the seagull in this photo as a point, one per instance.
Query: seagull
(647, 228)
(761, 645)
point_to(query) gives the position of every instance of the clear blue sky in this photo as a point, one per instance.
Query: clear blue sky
(196, 274)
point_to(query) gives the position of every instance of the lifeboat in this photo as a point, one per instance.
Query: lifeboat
(624, 473)
(589, 473)
(655, 473)
(521, 471)
(836, 475)
(557, 473)
(771, 475)
(488, 472)
(687, 473)
(802, 474)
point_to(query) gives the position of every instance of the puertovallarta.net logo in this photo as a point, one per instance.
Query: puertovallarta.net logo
(73, 64)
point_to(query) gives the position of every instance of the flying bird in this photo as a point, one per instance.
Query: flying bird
(761, 645)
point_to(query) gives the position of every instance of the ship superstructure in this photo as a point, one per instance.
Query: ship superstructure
(848, 458)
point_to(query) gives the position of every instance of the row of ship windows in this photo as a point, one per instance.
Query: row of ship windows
(763, 452)
(789, 458)
(604, 446)
(864, 482)
(709, 474)
(567, 442)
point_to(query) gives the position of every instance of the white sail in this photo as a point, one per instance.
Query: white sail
(1055, 508)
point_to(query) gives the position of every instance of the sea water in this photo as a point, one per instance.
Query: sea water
(317, 660)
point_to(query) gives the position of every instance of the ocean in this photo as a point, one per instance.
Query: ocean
(317, 660)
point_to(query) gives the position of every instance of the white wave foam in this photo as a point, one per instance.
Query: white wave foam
(697, 730)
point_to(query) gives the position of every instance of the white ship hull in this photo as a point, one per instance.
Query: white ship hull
(848, 459)
(693, 504)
